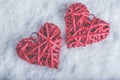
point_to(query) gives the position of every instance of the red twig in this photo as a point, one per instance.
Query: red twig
(80, 30)
(44, 49)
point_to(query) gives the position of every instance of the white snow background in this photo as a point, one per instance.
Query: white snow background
(20, 18)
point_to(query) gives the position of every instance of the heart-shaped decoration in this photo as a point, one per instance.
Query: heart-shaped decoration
(80, 29)
(42, 49)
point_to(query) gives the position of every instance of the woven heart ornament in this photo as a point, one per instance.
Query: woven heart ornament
(80, 29)
(42, 49)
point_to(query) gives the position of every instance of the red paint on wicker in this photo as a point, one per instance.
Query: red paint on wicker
(80, 29)
(42, 49)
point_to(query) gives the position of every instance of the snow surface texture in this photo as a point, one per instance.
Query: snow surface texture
(20, 18)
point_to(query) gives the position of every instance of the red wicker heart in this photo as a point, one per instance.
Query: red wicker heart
(80, 30)
(44, 49)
